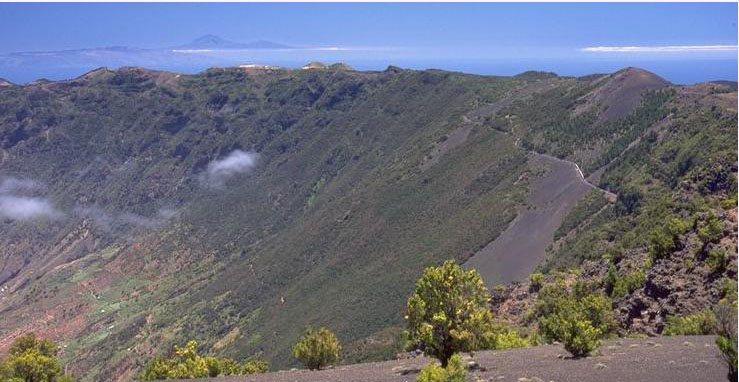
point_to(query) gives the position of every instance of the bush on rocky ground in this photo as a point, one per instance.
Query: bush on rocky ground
(449, 312)
(717, 260)
(666, 239)
(578, 317)
(535, 281)
(712, 229)
(700, 323)
(453, 372)
(186, 363)
(317, 348)
(616, 285)
(726, 329)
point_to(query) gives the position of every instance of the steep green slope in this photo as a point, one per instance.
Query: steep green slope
(336, 219)
(683, 166)
(349, 184)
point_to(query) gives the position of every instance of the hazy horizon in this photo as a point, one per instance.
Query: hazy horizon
(682, 42)
(677, 72)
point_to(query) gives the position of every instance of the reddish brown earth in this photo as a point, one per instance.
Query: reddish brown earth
(669, 359)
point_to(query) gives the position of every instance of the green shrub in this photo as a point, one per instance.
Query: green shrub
(576, 333)
(614, 254)
(712, 229)
(717, 260)
(536, 279)
(610, 279)
(254, 366)
(729, 203)
(628, 283)
(726, 341)
(728, 290)
(629, 200)
(579, 319)
(661, 244)
(598, 310)
(186, 363)
(728, 349)
(453, 372)
(448, 312)
(693, 324)
(500, 336)
(510, 339)
(317, 348)
(32, 359)
(227, 366)
(666, 239)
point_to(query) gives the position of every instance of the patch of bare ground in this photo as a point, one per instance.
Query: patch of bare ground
(622, 92)
(516, 252)
(669, 359)
(450, 141)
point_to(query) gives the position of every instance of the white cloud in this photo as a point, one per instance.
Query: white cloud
(11, 185)
(110, 221)
(16, 207)
(237, 162)
(660, 49)
(231, 51)
(19, 200)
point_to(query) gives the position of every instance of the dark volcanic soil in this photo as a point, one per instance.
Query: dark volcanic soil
(668, 359)
(514, 254)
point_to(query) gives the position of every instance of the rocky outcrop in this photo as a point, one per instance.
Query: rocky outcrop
(682, 284)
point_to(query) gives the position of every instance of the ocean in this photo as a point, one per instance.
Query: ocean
(678, 71)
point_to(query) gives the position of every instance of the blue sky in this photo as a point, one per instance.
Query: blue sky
(461, 26)
(390, 32)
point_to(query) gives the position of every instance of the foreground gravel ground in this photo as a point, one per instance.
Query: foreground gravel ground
(669, 359)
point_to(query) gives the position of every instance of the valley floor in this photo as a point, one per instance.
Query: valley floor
(670, 359)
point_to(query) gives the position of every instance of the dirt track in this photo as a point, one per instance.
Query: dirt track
(668, 359)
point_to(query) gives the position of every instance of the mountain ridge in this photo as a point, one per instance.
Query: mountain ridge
(333, 175)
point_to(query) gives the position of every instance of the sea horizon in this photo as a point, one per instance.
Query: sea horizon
(677, 71)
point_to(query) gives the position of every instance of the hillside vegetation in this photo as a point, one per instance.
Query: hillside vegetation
(236, 206)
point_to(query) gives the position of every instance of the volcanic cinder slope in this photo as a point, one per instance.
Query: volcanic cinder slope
(238, 205)
(511, 258)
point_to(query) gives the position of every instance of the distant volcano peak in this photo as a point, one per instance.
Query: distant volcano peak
(211, 41)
